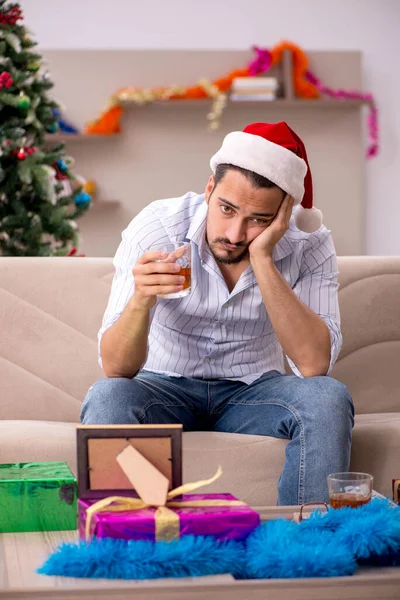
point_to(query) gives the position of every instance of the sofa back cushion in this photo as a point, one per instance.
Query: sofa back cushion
(51, 310)
(369, 363)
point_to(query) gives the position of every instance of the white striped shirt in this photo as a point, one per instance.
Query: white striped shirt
(213, 333)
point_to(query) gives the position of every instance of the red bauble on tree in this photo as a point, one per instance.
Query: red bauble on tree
(23, 152)
(11, 17)
(6, 80)
(74, 252)
(61, 173)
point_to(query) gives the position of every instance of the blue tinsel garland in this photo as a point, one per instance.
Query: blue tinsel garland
(324, 545)
(121, 559)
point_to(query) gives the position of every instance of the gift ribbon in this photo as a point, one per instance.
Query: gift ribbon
(166, 520)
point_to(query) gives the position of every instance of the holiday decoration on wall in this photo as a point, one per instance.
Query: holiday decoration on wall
(38, 211)
(306, 86)
(64, 126)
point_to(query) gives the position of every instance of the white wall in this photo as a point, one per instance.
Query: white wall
(372, 26)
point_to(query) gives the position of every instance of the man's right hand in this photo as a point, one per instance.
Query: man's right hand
(153, 278)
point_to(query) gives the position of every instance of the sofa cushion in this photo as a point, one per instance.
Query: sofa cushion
(370, 313)
(376, 449)
(50, 311)
(37, 441)
(252, 464)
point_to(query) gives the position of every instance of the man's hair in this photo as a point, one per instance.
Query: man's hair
(257, 180)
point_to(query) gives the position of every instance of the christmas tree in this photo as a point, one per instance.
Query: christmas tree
(40, 198)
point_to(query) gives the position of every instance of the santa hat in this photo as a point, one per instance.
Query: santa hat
(276, 152)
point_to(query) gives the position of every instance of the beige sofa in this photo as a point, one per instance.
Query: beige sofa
(50, 311)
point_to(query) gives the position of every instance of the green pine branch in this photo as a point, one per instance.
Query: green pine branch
(37, 217)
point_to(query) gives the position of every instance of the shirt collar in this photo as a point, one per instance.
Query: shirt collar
(288, 243)
(197, 234)
(282, 249)
(197, 230)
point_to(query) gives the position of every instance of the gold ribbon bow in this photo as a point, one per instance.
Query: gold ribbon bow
(166, 520)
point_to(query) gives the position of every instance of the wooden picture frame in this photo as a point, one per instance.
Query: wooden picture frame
(99, 474)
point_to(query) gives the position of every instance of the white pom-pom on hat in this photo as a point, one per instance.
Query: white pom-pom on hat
(308, 219)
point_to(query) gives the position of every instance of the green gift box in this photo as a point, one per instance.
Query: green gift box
(37, 497)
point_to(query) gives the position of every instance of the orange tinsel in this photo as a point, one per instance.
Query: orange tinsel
(224, 84)
(302, 87)
(195, 92)
(108, 123)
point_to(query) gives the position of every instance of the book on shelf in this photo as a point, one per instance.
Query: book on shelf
(261, 97)
(255, 83)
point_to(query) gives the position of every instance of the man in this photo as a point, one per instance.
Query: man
(264, 285)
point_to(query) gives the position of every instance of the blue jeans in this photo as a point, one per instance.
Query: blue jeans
(315, 414)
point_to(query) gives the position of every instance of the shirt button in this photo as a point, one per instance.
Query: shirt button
(206, 359)
(225, 305)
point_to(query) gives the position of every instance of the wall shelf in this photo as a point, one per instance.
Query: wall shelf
(282, 102)
(106, 203)
(287, 98)
(318, 103)
(76, 137)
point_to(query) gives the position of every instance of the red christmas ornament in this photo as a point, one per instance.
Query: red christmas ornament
(11, 17)
(60, 175)
(29, 151)
(6, 80)
(73, 252)
(21, 154)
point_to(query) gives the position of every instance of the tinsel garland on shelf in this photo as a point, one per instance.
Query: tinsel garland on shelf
(306, 86)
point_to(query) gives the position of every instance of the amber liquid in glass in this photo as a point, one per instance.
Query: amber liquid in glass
(186, 273)
(352, 500)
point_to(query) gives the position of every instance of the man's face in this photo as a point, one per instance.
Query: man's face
(237, 213)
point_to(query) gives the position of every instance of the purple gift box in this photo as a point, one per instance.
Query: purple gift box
(222, 522)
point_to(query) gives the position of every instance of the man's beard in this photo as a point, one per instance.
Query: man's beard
(230, 258)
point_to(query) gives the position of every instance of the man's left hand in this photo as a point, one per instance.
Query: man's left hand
(263, 244)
